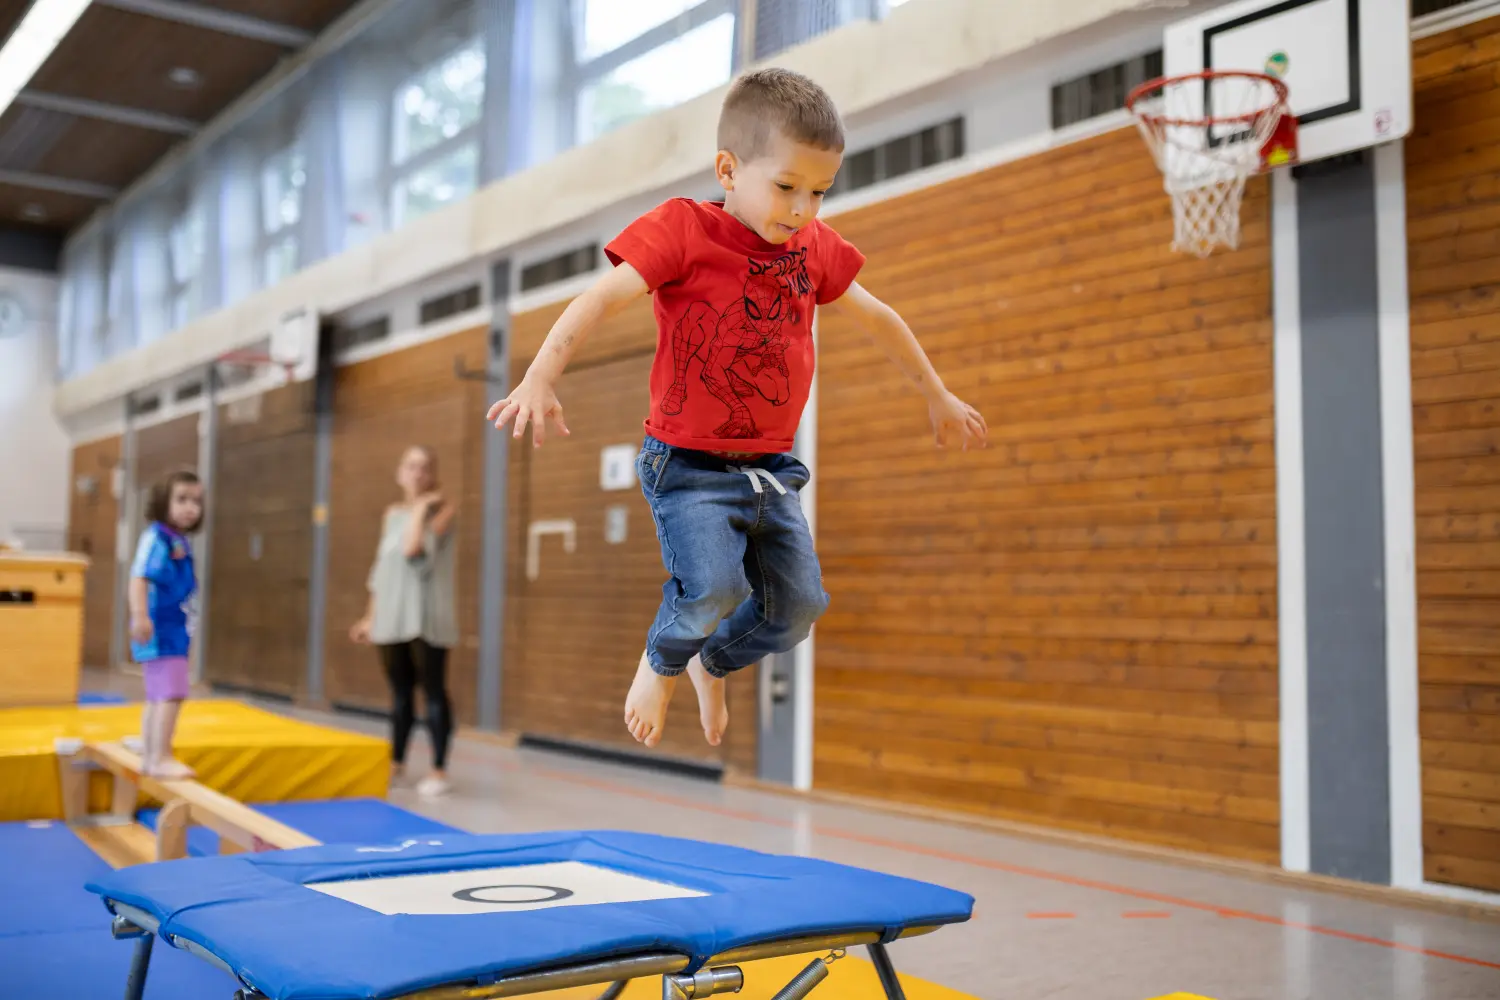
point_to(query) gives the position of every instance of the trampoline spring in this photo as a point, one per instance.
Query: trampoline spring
(807, 979)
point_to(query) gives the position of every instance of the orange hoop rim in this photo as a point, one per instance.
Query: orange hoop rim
(1163, 82)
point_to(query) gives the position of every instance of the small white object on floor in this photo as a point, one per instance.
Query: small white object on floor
(432, 787)
(133, 743)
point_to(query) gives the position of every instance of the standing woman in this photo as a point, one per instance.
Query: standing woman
(410, 617)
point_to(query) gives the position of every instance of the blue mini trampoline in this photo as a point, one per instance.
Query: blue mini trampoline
(469, 917)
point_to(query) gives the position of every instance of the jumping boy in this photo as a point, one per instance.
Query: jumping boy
(735, 284)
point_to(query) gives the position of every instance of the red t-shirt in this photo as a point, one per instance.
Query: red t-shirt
(734, 348)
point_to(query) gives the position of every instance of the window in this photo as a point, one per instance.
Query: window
(439, 103)
(185, 252)
(609, 24)
(283, 178)
(435, 136)
(621, 86)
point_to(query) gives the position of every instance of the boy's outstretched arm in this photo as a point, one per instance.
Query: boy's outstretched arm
(534, 399)
(950, 415)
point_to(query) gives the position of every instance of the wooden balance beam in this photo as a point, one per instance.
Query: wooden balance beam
(185, 803)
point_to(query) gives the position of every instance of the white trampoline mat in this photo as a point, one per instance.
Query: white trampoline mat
(501, 890)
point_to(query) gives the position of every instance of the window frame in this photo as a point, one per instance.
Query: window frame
(394, 173)
(579, 74)
(274, 239)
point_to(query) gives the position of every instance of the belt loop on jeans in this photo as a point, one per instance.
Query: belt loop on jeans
(755, 476)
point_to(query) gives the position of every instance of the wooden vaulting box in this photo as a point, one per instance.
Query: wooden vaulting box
(41, 627)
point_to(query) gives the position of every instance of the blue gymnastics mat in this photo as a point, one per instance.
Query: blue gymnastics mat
(54, 936)
(337, 821)
(101, 698)
(351, 922)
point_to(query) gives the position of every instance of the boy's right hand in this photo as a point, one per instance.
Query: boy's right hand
(140, 628)
(359, 632)
(529, 402)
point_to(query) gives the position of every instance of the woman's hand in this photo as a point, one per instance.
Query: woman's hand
(430, 503)
(140, 628)
(359, 632)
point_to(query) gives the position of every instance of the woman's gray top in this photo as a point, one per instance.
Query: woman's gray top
(413, 596)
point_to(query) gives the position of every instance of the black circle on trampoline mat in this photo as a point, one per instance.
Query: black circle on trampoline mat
(469, 895)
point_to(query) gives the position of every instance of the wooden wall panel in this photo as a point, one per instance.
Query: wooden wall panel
(382, 406)
(93, 518)
(1077, 626)
(262, 544)
(575, 635)
(1453, 205)
(163, 448)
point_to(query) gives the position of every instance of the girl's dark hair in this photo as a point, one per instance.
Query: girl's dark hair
(159, 505)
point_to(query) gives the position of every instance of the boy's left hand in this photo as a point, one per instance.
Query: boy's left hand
(952, 416)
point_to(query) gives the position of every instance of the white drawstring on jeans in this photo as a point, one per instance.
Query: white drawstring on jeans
(755, 477)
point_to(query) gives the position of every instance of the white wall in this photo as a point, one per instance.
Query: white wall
(34, 450)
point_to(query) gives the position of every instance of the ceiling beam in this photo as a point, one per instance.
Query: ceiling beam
(84, 108)
(62, 185)
(212, 18)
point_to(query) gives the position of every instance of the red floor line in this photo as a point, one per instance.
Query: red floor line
(1036, 873)
(1145, 915)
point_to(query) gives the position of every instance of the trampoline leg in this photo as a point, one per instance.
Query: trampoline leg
(135, 983)
(887, 972)
(613, 993)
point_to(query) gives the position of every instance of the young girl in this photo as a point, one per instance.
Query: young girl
(163, 587)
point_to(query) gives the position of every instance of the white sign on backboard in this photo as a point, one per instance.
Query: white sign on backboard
(501, 890)
(617, 466)
(1347, 63)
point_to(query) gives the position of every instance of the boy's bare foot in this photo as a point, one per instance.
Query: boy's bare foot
(646, 704)
(713, 711)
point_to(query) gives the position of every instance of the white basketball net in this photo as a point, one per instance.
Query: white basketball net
(1207, 153)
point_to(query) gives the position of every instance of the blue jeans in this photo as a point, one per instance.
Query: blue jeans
(744, 581)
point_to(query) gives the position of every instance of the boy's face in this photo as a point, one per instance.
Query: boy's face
(779, 191)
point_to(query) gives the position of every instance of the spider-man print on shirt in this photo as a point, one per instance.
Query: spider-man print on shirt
(741, 352)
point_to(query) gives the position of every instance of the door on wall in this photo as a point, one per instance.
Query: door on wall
(586, 576)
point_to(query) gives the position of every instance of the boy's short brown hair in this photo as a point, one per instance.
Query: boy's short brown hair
(779, 100)
(159, 503)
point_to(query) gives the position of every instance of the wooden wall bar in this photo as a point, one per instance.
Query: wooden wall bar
(262, 545)
(574, 635)
(382, 406)
(93, 516)
(1077, 626)
(1453, 205)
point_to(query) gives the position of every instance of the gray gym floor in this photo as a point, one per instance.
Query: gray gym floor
(1052, 921)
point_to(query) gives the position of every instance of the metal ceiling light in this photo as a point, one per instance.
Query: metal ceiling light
(33, 40)
(185, 77)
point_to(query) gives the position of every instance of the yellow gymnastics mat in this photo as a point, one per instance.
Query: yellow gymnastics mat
(247, 753)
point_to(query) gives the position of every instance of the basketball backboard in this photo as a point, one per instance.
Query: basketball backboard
(1346, 63)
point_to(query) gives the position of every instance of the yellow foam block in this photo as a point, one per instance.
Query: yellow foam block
(848, 979)
(247, 753)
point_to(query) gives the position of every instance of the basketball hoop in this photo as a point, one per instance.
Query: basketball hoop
(251, 361)
(1209, 132)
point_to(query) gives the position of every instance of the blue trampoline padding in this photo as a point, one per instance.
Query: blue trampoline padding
(290, 942)
(335, 821)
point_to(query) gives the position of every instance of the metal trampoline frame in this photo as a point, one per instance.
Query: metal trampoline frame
(721, 974)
